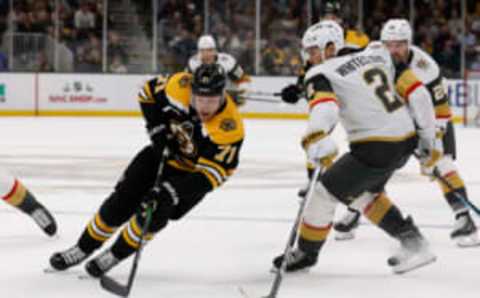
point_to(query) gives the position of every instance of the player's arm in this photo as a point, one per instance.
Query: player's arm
(421, 108)
(412, 90)
(323, 116)
(293, 92)
(437, 91)
(152, 102)
(214, 166)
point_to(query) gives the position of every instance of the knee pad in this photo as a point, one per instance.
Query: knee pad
(320, 209)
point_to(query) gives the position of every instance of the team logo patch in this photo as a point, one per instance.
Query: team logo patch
(228, 125)
(184, 81)
(422, 64)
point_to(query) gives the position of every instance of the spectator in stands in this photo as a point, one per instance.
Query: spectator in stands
(84, 20)
(117, 65)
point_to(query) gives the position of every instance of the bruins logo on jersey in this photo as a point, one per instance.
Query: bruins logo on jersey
(183, 133)
(184, 81)
(228, 125)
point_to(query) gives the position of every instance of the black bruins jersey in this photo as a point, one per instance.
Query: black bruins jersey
(210, 150)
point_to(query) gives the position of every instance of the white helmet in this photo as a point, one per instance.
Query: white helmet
(337, 31)
(206, 42)
(395, 30)
(321, 34)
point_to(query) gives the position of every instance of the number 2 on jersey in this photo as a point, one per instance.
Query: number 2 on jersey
(379, 80)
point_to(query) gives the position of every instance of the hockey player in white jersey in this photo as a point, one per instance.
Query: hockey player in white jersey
(14, 193)
(238, 81)
(383, 130)
(397, 36)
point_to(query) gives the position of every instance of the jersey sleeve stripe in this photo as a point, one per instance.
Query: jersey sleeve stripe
(406, 83)
(312, 138)
(216, 166)
(320, 97)
(146, 88)
(443, 111)
(220, 179)
(210, 178)
(412, 88)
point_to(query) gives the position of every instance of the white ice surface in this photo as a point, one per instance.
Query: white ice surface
(228, 241)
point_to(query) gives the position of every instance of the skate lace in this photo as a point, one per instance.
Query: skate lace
(461, 223)
(73, 255)
(295, 256)
(348, 218)
(106, 261)
(41, 218)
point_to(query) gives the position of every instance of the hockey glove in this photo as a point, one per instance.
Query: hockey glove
(161, 137)
(322, 152)
(291, 94)
(429, 152)
(160, 200)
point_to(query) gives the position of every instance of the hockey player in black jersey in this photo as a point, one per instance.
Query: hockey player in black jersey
(200, 127)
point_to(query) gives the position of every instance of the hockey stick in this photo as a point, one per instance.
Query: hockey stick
(111, 284)
(253, 98)
(114, 286)
(293, 237)
(263, 93)
(458, 195)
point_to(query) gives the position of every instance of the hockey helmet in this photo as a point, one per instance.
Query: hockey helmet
(206, 42)
(396, 30)
(209, 80)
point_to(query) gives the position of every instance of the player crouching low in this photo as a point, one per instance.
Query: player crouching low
(383, 131)
(202, 130)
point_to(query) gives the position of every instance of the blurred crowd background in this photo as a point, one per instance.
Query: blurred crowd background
(145, 36)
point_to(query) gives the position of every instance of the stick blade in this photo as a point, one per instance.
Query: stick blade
(113, 286)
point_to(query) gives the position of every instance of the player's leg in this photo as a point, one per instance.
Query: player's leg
(118, 208)
(379, 161)
(128, 240)
(14, 193)
(314, 229)
(465, 231)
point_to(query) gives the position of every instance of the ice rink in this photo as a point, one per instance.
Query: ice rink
(228, 242)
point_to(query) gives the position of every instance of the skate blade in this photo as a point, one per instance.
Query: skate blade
(416, 264)
(79, 275)
(467, 241)
(344, 236)
(274, 270)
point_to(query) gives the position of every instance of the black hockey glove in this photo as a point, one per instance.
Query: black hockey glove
(291, 94)
(160, 200)
(160, 137)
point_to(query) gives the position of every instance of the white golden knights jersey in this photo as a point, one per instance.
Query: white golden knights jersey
(369, 91)
(233, 70)
(427, 71)
(209, 150)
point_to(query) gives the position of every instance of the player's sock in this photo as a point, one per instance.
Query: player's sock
(456, 181)
(24, 200)
(310, 242)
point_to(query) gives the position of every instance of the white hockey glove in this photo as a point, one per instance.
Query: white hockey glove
(429, 152)
(321, 152)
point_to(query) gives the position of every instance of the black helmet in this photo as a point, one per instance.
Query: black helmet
(209, 79)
